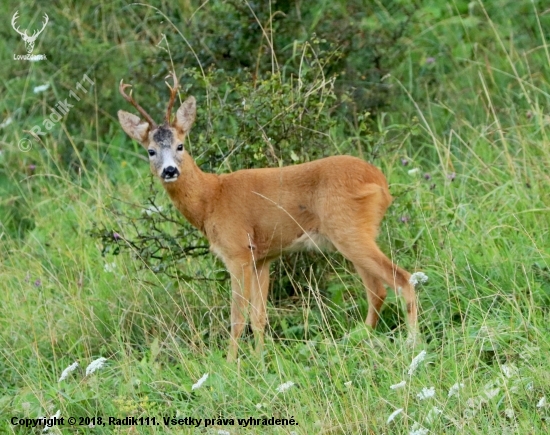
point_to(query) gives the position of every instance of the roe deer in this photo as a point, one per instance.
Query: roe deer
(251, 216)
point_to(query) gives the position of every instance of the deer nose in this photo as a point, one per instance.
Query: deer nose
(170, 172)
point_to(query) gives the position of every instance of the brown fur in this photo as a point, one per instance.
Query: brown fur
(251, 216)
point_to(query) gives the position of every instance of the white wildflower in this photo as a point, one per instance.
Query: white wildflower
(491, 392)
(471, 411)
(6, 122)
(418, 278)
(528, 351)
(399, 385)
(418, 430)
(199, 383)
(55, 416)
(348, 384)
(68, 371)
(485, 331)
(542, 402)
(95, 365)
(416, 362)
(432, 415)
(475, 402)
(41, 88)
(454, 389)
(426, 393)
(509, 370)
(393, 415)
(471, 402)
(152, 209)
(224, 432)
(109, 267)
(509, 413)
(283, 387)
(413, 171)
(492, 388)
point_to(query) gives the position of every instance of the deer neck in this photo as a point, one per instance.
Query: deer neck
(194, 192)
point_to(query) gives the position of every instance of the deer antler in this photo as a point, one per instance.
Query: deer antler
(13, 20)
(38, 32)
(140, 109)
(173, 93)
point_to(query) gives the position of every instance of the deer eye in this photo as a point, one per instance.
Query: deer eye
(151, 152)
(180, 147)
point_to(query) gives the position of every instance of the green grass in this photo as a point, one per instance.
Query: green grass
(475, 218)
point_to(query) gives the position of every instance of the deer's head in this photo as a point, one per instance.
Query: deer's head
(164, 143)
(28, 39)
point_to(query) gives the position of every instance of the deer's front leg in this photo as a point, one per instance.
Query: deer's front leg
(241, 282)
(258, 303)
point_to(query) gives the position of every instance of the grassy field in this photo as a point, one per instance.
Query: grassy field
(457, 115)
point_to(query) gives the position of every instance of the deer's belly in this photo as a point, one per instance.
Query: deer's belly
(310, 242)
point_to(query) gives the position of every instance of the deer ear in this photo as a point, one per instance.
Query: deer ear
(134, 126)
(185, 115)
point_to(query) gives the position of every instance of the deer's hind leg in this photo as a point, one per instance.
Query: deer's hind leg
(375, 268)
(376, 294)
(353, 230)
